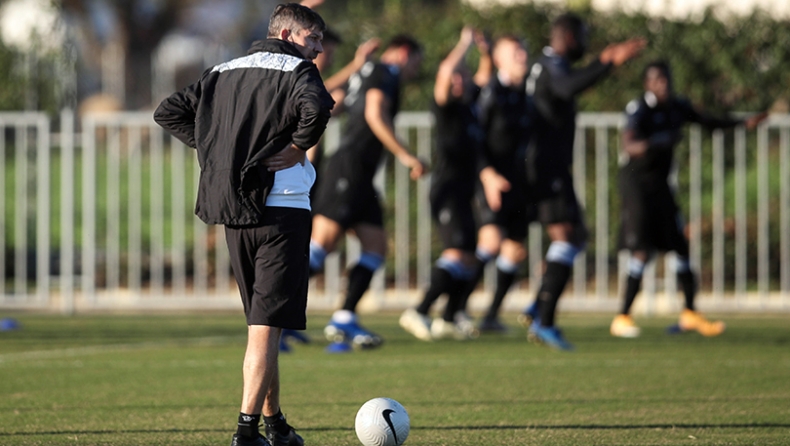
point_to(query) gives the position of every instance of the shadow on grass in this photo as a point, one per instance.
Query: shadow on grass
(584, 427)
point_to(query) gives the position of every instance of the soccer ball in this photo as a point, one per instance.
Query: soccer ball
(382, 422)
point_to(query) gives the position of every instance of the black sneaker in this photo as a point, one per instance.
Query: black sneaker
(238, 440)
(278, 439)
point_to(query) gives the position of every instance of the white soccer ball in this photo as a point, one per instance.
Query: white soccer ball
(382, 422)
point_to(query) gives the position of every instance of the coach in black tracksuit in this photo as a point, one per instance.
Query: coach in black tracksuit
(554, 85)
(251, 120)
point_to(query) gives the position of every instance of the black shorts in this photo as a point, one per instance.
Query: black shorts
(513, 216)
(454, 217)
(554, 200)
(347, 199)
(650, 218)
(271, 266)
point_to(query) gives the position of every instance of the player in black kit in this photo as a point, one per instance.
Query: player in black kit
(554, 85)
(504, 114)
(347, 199)
(455, 170)
(651, 219)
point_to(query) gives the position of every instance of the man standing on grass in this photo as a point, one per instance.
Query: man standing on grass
(251, 120)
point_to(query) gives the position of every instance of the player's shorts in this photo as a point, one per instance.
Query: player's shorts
(454, 217)
(347, 199)
(271, 266)
(650, 218)
(513, 216)
(553, 200)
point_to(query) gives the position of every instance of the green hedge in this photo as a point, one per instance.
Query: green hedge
(740, 64)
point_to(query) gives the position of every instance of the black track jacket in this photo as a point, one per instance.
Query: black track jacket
(238, 114)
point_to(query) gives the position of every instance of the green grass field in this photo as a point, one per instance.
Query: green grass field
(176, 380)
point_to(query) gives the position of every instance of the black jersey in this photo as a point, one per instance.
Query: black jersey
(661, 125)
(459, 139)
(553, 86)
(359, 147)
(505, 119)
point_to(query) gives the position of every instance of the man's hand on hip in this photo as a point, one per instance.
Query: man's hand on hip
(285, 158)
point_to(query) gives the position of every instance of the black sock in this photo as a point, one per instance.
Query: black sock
(456, 299)
(358, 282)
(278, 423)
(554, 280)
(689, 285)
(469, 286)
(632, 285)
(504, 280)
(441, 281)
(248, 425)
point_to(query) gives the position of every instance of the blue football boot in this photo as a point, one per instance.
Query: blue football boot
(550, 336)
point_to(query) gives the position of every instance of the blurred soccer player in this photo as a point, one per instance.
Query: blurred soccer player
(337, 85)
(502, 199)
(459, 144)
(651, 220)
(347, 199)
(554, 85)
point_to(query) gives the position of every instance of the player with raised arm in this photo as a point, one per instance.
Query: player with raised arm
(347, 201)
(650, 218)
(458, 147)
(554, 85)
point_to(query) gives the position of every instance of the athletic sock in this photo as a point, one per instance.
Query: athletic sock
(248, 425)
(554, 280)
(632, 286)
(277, 423)
(470, 285)
(456, 299)
(689, 285)
(441, 281)
(358, 282)
(504, 280)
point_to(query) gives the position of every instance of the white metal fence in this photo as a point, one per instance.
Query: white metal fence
(101, 217)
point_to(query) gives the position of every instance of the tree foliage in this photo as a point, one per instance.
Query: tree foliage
(742, 63)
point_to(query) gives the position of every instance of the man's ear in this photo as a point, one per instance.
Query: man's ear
(285, 34)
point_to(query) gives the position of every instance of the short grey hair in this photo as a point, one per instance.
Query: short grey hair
(294, 17)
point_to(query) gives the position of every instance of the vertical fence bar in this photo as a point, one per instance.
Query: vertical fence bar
(20, 211)
(580, 185)
(763, 215)
(177, 212)
(43, 251)
(378, 282)
(113, 264)
(424, 225)
(649, 281)
(135, 207)
(66, 211)
(717, 217)
(741, 234)
(670, 280)
(156, 167)
(200, 256)
(695, 195)
(601, 213)
(88, 209)
(535, 257)
(402, 203)
(222, 264)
